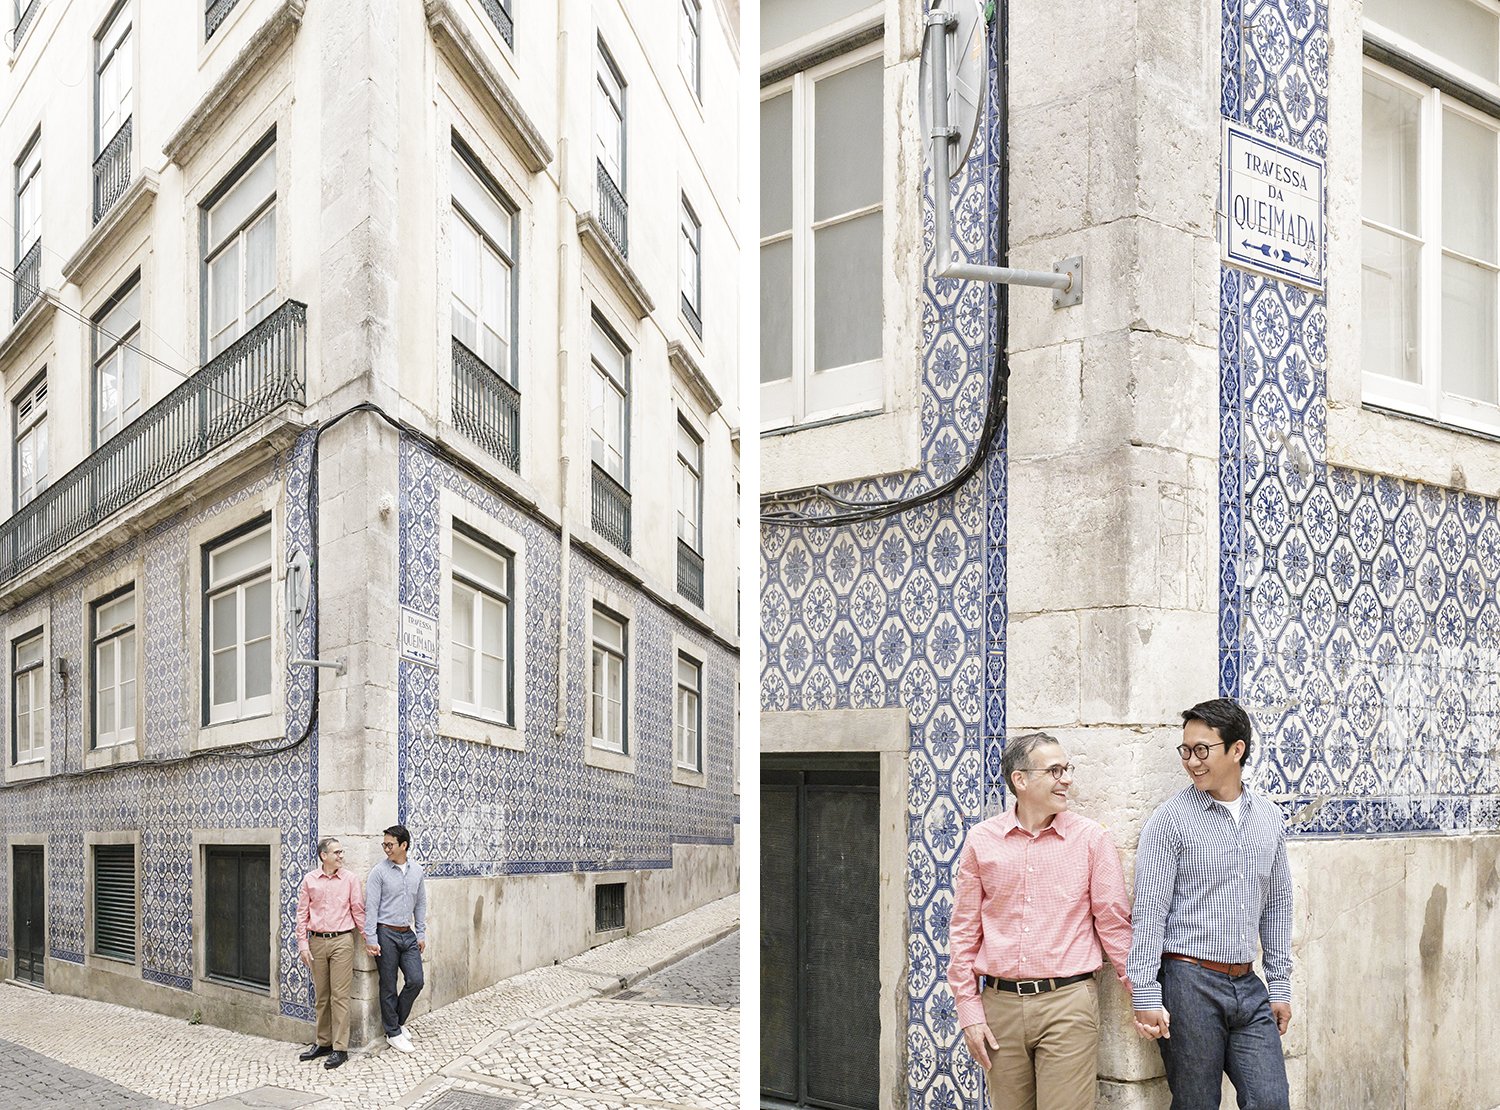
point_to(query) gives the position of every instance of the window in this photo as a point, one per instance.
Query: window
(114, 76)
(1430, 240)
(29, 198)
(237, 624)
(239, 250)
(484, 250)
(237, 915)
(114, 639)
(690, 264)
(215, 12)
(689, 745)
(607, 691)
(114, 901)
(689, 486)
(821, 233)
(690, 45)
(117, 365)
(609, 907)
(28, 670)
(500, 14)
(609, 416)
(31, 442)
(482, 630)
(609, 118)
(25, 10)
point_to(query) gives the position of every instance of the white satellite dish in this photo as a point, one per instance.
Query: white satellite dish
(967, 71)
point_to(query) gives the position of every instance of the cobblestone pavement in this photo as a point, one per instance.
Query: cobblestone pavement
(550, 1016)
(710, 978)
(32, 1080)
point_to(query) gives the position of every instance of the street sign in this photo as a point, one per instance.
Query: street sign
(419, 637)
(1270, 208)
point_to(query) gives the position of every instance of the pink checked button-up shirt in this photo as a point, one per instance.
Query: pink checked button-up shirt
(1035, 907)
(329, 904)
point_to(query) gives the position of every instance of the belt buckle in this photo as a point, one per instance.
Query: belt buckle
(1034, 984)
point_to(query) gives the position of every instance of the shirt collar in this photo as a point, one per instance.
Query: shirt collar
(1009, 824)
(338, 874)
(1207, 801)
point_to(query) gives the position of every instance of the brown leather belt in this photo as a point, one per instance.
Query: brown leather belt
(395, 928)
(1234, 971)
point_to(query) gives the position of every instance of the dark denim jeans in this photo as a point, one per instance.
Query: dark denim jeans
(1220, 1025)
(397, 949)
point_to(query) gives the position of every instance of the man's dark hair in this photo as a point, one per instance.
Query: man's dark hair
(324, 843)
(1225, 717)
(403, 838)
(1017, 754)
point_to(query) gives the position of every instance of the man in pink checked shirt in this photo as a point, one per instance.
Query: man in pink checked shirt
(1038, 891)
(330, 913)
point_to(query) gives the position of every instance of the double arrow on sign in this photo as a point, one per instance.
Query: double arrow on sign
(1273, 254)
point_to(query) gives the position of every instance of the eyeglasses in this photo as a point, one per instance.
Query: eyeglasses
(1200, 750)
(1057, 770)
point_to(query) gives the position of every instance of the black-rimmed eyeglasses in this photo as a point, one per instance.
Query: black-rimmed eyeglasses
(1200, 750)
(1057, 770)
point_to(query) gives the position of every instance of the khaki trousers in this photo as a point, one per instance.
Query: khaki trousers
(1048, 1057)
(333, 981)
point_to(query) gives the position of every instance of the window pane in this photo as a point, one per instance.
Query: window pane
(776, 164)
(492, 684)
(258, 669)
(248, 194)
(1468, 187)
(493, 627)
(116, 613)
(260, 268)
(127, 706)
(224, 630)
(1456, 29)
(463, 615)
(776, 311)
(223, 298)
(1389, 305)
(127, 657)
(225, 681)
(1388, 157)
(846, 293)
(106, 710)
(463, 674)
(609, 632)
(479, 562)
(847, 140)
(1468, 331)
(29, 652)
(465, 265)
(258, 610)
(241, 556)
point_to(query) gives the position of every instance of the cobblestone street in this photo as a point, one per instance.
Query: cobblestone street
(556, 1038)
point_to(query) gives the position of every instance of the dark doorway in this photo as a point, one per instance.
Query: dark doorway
(31, 913)
(237, 912)
(819, 928)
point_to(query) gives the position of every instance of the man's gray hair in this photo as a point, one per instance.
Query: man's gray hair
(1017, 753)
(324, 843)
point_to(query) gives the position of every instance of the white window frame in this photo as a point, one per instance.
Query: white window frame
(241, 707)
(609, 116)
(609, 729)
(114, 75)
(31, 436)
(687, 714)
(498, 591)
(690, 45)
(609, 390)
(1426, 396)
(117, 677)
(34, 677)
(690, 263)
(856, 388)
(116, 353)
(689, 485)
(29, 193)
(246, 313)
(479, 206)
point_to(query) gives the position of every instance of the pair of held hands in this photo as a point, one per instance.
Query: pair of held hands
(370, 950)
(1150, 1024)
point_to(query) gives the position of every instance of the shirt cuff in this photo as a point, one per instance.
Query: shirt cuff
(1280, 990)
(1146, 996)
(970, 1012)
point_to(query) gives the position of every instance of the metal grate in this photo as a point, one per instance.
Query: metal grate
(24, 22)
(214, 15)
(28, 278)
(690, 310)
(612, 209)
(114, 901)
(609, 907)
(611, 509)
(499, 12)
(689, 573)
(471, 1100)
(112, 170)
(486, 407)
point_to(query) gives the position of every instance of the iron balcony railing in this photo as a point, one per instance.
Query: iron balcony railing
(612, 208)
(112, 170)
(689, 573)
(690, 310)
(28, 278)
(486, 407)
(24, 22)
(500, 13)
(611, 509)
(215, 14)
(263, 370)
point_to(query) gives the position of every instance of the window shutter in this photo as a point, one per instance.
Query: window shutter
(114, 901)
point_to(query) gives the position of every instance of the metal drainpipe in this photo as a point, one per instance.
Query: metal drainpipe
(565, 298)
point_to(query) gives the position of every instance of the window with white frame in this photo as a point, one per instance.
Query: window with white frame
(484, 253)
(114, 75)
(1430, 240)
(237, 626)
(114, 647)
(29, 197)
(28, 687)
(117, 362)
(609, 117)
(609, 416)
(480, 652)
(690, 266)
(822, 224)
(690, 44)
(607, 692)
(689, 742)
(31, 442)
(689, 486)
(239, 250)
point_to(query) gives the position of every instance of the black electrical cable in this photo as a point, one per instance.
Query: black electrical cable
(856, 512)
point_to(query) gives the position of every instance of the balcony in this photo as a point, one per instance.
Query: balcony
(612, 209)
(689, 574)
(611, 515)
(215, 14)
(24, 22)
(263, 370)
(690, 310)
(112, 170)
(498, 11)
(486, 407)
(28, 278)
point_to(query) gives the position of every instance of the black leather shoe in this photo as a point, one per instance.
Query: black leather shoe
(315, 1051)
(335, 1059)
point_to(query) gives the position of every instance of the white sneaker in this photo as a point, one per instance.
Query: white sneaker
(405, 1032)
(401, 1042)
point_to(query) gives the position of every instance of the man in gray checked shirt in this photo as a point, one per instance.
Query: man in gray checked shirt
(1211, 879)
(396, 932)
